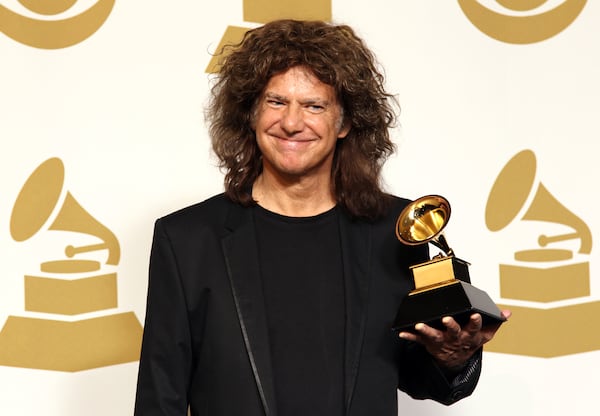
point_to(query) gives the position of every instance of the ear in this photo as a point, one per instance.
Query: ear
(344, 130)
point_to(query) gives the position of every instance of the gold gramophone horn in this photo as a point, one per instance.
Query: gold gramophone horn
(35, 204)
(423, 220)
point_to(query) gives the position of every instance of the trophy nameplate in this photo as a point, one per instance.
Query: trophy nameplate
(442, 284)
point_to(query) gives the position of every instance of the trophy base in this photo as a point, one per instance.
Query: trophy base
(454, 298)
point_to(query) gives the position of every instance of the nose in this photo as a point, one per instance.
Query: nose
(292, 119)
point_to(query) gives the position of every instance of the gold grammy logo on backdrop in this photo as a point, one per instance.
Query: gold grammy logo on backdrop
(263, 11)
(557, 269)
(67, 287)
(522, 28)
(46, 33)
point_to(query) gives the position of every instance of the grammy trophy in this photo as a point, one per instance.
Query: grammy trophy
(442, 284)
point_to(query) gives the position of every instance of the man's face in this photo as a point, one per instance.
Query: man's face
(298, 121)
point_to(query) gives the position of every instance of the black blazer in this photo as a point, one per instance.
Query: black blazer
(205, 339)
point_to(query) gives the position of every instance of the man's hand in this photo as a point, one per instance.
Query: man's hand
(454, 346)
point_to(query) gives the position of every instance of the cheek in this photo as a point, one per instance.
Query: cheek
(262, 143)
(256, 115)
(262, 120)
(324, 127)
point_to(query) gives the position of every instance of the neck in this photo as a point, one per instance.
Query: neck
(303, 197)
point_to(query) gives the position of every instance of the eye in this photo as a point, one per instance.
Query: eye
(315, 108)
(274, 102)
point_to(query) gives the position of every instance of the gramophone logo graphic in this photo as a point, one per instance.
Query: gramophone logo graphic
(523, 22)
(64, 289)
(51, 30)
(554, 275)
(263, 11)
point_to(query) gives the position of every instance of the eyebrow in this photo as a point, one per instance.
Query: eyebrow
(274, 96)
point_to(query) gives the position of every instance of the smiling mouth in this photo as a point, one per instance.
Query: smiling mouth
(287, 144)
(293, 139)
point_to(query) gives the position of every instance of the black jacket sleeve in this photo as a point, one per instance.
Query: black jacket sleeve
(165, 363)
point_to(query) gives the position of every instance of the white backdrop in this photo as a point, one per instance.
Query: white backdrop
(123, 111)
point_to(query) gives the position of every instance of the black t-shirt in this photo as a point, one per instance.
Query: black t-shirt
(303, 285)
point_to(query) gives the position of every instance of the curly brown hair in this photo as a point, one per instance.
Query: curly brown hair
(337, 57)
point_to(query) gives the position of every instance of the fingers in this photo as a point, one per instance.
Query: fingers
(468, 335)
(423, 331)
(452, 327)
(453, 345)
(423, 334)
(474, 325)
(408, 336)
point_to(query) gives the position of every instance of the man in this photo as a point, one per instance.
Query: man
(277, 297)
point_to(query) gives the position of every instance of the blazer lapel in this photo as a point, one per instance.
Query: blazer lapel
(241, 256)
(356, 255)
